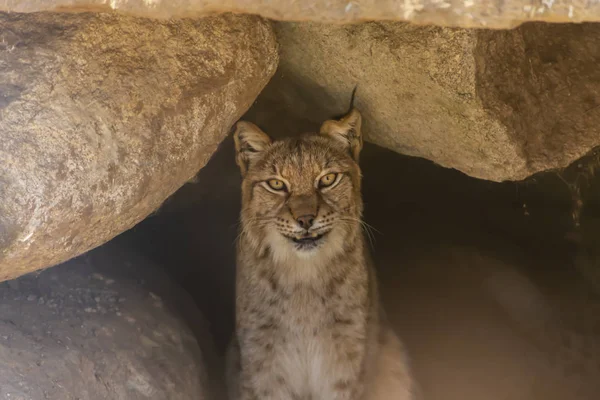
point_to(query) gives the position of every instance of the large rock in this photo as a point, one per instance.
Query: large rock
(107, 325)
(102, 117)
(466, 13)
(497, 105)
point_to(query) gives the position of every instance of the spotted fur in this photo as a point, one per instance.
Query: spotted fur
(309, 325)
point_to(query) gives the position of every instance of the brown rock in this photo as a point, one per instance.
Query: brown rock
(465, 13)
(108, 325)
(497, 105)
(543, 83)
(102, 117)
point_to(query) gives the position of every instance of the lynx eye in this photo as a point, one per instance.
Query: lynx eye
(276, 184)
(327, 180)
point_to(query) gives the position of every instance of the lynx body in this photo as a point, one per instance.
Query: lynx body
(309, 325)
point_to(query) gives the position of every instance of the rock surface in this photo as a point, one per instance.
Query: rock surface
(107, 325)
(497, 105)
(102, 117)
(466, 13)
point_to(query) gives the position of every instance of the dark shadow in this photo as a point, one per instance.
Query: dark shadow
(411, 203)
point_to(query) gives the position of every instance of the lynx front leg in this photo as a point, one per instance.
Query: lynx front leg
(345, 372)
(347, 382)
(261, 385)
(261, 375)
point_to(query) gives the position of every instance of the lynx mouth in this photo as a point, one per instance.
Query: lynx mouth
(308, 241)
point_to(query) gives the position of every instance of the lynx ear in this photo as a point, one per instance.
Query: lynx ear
(347, 130)
(250, 142)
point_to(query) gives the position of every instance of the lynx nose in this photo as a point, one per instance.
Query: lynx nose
(306, 221)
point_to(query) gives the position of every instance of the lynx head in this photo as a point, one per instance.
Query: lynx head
(301, 196)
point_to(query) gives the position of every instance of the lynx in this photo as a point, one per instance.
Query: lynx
(309, 325)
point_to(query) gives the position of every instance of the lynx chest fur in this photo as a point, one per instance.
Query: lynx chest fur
(308, 321)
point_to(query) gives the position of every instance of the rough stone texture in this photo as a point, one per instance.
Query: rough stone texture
(107, 325)
(497, 105)
(102, 117)
(466, 13)
(543, 83)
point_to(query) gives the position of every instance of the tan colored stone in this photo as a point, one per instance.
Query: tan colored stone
(497, 105)
(109, 325)
(465, 13)
(102, 117)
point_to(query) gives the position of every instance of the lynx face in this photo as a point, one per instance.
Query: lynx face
(301, 196)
